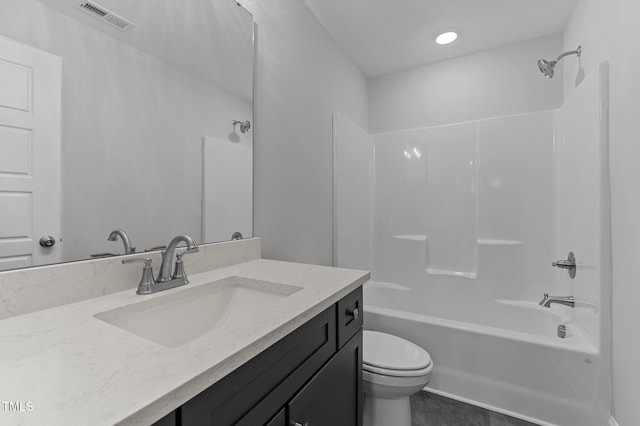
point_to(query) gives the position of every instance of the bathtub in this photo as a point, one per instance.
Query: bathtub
(504, 355)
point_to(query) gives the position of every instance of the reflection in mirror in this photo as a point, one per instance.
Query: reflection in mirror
(141, 104)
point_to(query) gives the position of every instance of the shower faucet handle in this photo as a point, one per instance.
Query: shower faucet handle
(569, 264)
(566, 264)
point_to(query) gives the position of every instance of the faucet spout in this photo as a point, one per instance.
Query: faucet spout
(167, 256)
(113, 236)
(547, 301)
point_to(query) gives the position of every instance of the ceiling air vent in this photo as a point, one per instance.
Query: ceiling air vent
(106, 16)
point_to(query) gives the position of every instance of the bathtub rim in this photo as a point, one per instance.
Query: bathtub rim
(578, 343)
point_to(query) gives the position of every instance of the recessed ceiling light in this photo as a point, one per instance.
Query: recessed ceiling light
(446, 37)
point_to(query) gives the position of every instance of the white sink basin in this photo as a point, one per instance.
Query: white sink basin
(175, 319)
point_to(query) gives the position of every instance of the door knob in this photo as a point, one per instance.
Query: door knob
(47, 241)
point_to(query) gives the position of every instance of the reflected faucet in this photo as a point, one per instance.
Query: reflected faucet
(167, 257)
(113, 236)
(547, 301)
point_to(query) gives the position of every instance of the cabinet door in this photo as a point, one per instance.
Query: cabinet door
(256, 391)
(349, 316)
(334, 395)
(280, 419)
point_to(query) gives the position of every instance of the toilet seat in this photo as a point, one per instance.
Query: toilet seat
(391, 355)
(397, 373)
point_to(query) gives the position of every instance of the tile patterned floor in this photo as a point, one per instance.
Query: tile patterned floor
(428, 409)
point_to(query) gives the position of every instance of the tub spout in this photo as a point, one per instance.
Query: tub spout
(547, 301)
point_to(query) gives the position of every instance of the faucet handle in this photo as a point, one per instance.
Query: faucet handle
(147, 280)
(179, 266)
(146, 261)
(569, 264)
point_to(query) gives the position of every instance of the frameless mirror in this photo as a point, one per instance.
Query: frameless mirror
(156, 107)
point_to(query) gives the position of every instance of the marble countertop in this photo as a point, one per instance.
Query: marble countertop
(63, 366)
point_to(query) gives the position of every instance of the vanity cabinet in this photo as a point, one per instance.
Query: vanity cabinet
(311, 377)
(333, 396)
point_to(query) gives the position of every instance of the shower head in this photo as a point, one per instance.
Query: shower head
(548, 67)
(244, 125)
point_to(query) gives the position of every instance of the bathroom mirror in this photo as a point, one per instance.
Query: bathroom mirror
(150, 92)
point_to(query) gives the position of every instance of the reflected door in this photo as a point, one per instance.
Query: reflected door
(30, 116)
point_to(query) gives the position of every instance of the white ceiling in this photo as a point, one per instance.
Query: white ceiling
(385, 36)
(212, 39)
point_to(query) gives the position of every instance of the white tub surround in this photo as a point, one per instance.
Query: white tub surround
(465, 221)
(73, 368)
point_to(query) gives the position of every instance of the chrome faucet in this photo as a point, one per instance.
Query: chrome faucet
(166, 280)
(165, 274)
(113, 236)
(547, 301)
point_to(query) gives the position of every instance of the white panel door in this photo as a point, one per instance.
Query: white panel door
(30, 132)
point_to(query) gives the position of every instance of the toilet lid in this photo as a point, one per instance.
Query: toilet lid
(390, 352)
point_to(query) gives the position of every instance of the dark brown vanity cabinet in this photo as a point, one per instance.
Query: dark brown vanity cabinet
(311, 377)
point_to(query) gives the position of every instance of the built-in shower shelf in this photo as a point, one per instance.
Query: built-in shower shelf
(492, 242)
(416, 237)
(434, 271)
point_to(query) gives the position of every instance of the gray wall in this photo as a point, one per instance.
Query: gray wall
(303, 76)
(491, 83)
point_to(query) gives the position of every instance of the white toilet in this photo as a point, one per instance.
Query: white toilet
(393, 369)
